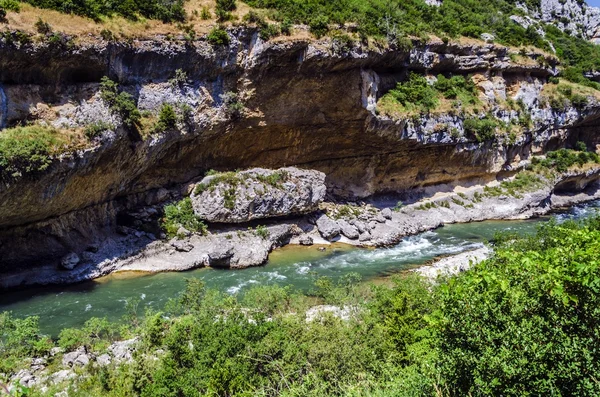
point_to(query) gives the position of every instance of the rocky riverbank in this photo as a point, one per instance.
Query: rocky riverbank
(363, 224)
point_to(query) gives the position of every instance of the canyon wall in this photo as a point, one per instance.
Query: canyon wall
(310, 104)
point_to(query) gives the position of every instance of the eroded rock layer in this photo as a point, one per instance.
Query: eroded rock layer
(305, 104)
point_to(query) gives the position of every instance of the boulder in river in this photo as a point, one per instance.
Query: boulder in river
(237, 197)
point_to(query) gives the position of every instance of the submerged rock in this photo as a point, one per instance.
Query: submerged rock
(258, 194)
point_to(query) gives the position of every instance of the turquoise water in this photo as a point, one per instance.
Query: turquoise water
(67, 306)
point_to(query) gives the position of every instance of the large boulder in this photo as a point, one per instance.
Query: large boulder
(258, 194)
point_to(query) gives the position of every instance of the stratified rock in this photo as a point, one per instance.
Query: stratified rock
(328, 228)
(257, 194)
(69, 261)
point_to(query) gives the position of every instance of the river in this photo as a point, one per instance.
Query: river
(71, 305)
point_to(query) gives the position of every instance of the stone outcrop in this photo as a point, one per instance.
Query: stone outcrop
(258, 194)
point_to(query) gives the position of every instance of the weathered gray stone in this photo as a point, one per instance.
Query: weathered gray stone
(77, 358)
(103, 360)
(328, 228)
(259, 193)
(122, 351)
(386, 213)
(69, 261)
(306, 240)
(348, 230)
(182, 246)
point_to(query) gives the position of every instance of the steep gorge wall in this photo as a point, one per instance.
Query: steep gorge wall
(307, 104)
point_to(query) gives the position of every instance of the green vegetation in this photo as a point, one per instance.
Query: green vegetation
(397, 20)
(96, 130)
(165, 10)
(25, 150)
(482, 129)
(262, 232)
(414, 94)
(121, 103)
(523, 322)
(346, 211)
(234, 107)
(181, 214)
(167, 118)
(224, 8)
(218, 36)
(563, 159)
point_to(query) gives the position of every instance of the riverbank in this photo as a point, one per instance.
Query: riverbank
(367, 225)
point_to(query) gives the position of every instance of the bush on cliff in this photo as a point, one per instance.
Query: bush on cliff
(29, 149)
(121, 103)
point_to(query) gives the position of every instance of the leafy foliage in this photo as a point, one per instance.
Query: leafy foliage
(563, 159)
(482, 129)
(121, 103)
(181, 214)
(526, 321)
(415, 92)
(218, 36)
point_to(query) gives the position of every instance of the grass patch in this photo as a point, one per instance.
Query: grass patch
(25, 150)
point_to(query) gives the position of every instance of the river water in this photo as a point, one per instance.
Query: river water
(71, 305)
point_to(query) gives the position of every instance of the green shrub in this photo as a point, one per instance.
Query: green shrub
(224, 8)
(269, 31)
(30, 149)
(319, 25)
(167, 118)
(205, 14)
(121, 103)
(10, 5)
(456, 86)
(262, 232)
(563, 159)
(234, 107)
(181, 214)
(525, 320)
(415, 92)
(95, 334)
(481, 129)
(179, 80)
(43, 27)
(95, 130)
(20, 339)
(218, 36)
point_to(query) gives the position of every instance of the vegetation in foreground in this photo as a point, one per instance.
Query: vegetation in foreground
(524, 322)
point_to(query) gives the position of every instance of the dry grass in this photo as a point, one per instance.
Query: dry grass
(551, 90)
(81, 26)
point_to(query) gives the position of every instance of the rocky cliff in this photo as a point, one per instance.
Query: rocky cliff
(304, 103)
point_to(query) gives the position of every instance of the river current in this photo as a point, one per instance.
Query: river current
(71, 305)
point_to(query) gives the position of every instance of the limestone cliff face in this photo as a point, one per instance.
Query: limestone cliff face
(306, 104)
